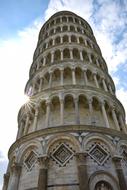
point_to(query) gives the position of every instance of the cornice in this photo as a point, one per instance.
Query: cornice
(66, 129)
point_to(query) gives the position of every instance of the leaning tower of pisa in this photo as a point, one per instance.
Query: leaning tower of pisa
(72, 133)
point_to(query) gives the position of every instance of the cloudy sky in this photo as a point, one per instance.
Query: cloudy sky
(20, 22)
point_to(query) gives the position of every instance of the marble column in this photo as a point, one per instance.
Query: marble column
(105, 115)
(33, 88)
(44, 61)
(40, 85)
(52, 57)
(119, 171)
(6, 181)
(81, 159)
(47, 113)
(26, 123)
(61, 55)
(36, 118)
(61, 111)
(85, 42)
(71, 54)
(115, 119)
(69, 39)
(14, 177)
(73, 77)
(20, 130)
(95, 79)
(89, 56)
(78, 40)
(77, 111)
(97, 63)
(50, 79)
(61, 77)
(43, 172)
(104, 85)
(81, 57)
(85, 77)
(122, 123)
(61, 39)
(110, 88)
(53, 42)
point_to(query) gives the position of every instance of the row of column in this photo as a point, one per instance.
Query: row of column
(23, 127)
(71, 56)
(65, 28)
(74, 81)
(69, 40)
(11, 182)
(61, 20)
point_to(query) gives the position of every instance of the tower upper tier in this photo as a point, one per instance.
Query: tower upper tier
(69, 81)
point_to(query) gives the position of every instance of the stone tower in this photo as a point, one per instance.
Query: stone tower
(72, 133)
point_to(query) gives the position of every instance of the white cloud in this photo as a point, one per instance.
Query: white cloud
(15, 58)
(82, 8)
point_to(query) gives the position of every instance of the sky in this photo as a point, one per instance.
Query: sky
(20, 22)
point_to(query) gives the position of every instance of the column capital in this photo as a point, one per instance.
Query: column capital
(90, 100)
(48, 102)
(6, 177)
(61, 100)
(84, 69)
(94, 72)
(76, 99)
(117, 158)
(16, 168)
(81, 157)
(102, 102)
(43, 161)
(37, 106)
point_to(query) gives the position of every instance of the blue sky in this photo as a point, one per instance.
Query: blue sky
(20, 22)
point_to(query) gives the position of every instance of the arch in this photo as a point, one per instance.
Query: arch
(64, 19)
(76, 54)
(73, 38)
(56, 77)
(65, 39)
(90, 77)
(103, 176)
(83, 109)
(58, 29)
(79, 76)
(81, 40)
(67, 75)
(57, 55)
(99, 138)
(79, 30)
(93, 59)
(66, 53)
(51, 32)
(57, 20)
(48, 58)
(55, 111)
(103, 185)
(50, 43)
(70, 19)
(68, 137)
(85, 56)
(72, 28)
(69, 109)
(44, 45)
(95, 103)
(27, 147)
(76, 21)
(52, 23)
(57, 40)
(65, 28)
